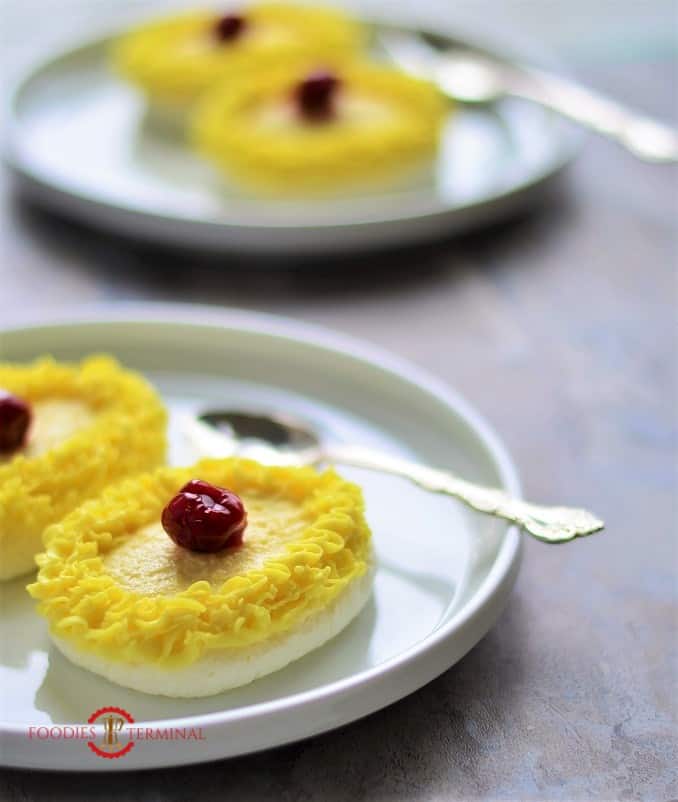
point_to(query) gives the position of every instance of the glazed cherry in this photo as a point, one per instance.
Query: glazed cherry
(315, 95)
(204, 517)
(15, 418)
(229, 27)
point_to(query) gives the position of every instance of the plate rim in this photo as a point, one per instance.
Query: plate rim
(223, 234)
(498, 581)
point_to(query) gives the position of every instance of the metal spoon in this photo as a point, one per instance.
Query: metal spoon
(469, 76)
(279, 439)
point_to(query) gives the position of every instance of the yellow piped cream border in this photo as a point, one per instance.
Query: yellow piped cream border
(220, 670)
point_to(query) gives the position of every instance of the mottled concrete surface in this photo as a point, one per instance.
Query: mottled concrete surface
(571, 317)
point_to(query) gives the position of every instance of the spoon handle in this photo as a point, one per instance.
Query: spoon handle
(549, 524)
(456, 69)
(646, 138)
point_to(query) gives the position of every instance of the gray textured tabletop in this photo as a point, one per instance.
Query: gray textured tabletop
(560, 328)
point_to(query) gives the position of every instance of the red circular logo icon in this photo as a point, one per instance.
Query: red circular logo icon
(113, 720)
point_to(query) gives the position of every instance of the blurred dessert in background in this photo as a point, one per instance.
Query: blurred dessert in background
(327, 126)
(285, 99)
(176, 58)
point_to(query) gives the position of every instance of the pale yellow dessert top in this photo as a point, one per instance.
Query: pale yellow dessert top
(151, 563)
(54, 420)
(112, 582)
(384, 123)
(176, 58)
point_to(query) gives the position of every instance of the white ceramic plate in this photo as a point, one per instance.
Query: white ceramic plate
(79, 141)
(444, 573)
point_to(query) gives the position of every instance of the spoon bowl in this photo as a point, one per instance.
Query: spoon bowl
(282, 433)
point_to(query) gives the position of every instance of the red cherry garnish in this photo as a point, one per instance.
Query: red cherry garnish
(204, 517)
(15, 418)
(229, 27)
(315, 95)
